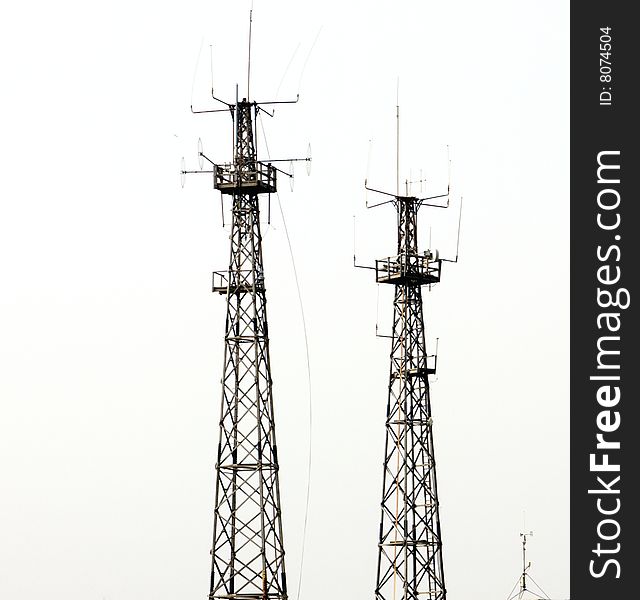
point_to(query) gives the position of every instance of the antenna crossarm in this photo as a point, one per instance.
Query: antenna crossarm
(279, 101)
(215, 110)
(423, 203)
(265, 111)
(379, 204)
(362, 266)
(370, 189)
(207, 159)
(227, 104)
(272, 160)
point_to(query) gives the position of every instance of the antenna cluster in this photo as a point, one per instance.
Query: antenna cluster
(230, 176)
(407, 198)
(252, 173)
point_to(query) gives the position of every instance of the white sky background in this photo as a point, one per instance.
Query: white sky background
(111, 342)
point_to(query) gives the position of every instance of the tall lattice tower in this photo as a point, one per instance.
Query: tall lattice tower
(247, 552)
(410, 564)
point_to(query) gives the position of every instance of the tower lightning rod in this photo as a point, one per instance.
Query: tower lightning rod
(398, 137)
(249, 57)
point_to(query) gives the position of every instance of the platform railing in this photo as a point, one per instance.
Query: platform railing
(404, 267)
(227, 176)
(242, 281)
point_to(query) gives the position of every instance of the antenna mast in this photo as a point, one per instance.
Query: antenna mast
(249, 55)
(398, 137)
(525, 566)
(536, 593)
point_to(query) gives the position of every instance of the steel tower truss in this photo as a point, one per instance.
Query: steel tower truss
(247, 553)
(410, 565)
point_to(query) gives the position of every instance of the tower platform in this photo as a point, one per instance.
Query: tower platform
(229, 179)
(408, 269)
(243, 283)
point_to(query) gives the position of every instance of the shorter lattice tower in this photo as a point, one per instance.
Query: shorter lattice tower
(410, 563)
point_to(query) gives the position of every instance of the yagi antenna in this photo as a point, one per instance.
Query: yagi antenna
(409, 182)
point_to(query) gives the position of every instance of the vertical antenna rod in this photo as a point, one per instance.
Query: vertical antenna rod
(398, 137)
(249, 56)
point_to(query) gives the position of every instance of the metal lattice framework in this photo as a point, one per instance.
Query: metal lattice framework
(247, 552)
(410, 565)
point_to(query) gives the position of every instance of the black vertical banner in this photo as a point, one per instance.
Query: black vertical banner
(605, 251)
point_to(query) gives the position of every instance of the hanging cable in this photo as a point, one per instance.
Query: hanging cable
(306, 345)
